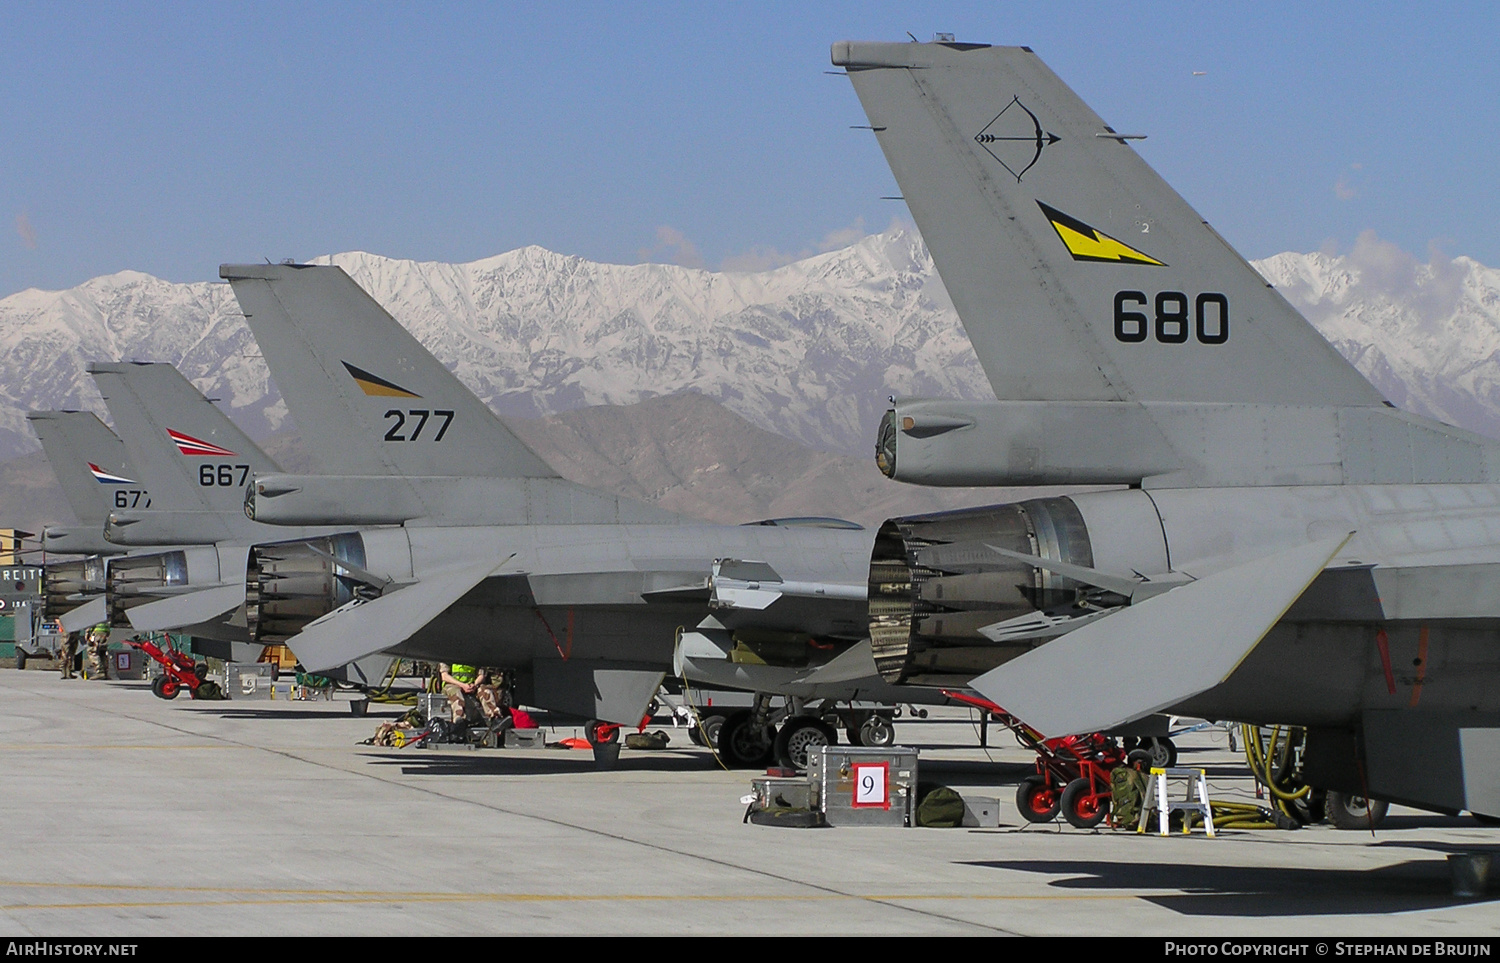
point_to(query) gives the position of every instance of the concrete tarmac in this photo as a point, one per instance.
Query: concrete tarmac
(128, 815)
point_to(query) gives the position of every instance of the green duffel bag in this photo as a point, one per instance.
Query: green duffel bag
(941, 808)
(1127, 788)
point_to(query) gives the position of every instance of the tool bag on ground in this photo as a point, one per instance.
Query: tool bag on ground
(941, 808)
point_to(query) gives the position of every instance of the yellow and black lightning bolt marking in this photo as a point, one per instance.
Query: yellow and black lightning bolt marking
(1090, 244)
(377, 386)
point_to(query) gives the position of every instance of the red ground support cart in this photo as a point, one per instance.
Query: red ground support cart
(179, 672)
(1072, 772)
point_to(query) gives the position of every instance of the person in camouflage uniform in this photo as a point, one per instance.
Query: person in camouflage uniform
(462, 682)
(98, 651)
(69, 655)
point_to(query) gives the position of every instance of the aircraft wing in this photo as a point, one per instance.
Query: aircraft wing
(188, 608)
(1157, 653)
(92, 612)
(359, 628)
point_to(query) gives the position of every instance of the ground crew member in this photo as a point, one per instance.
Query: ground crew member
(98, 642)
(461, 682)
(69, 655)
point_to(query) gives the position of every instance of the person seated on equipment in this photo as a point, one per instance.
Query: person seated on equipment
(98, 651)
(464, 682)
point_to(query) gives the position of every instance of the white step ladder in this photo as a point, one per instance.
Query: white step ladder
(1198, 782)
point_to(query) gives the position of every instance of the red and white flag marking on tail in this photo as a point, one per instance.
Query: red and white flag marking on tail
(189, 445)
(105, 478)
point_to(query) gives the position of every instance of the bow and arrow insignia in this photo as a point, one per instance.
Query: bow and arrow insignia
(1020, 139)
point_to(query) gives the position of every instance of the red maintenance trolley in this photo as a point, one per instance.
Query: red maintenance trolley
(179, 671)
(1072, 772)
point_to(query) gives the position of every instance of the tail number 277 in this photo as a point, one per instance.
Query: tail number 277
(419, 417)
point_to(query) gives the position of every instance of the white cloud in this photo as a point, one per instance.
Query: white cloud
(677, 247)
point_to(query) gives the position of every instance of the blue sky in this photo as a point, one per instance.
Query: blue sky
(168, 138)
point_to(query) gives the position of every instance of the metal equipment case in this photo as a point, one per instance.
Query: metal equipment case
(775, 792)
(248, 680)
(855, 786)
(525, 739)
(126, 664)
(433, 705)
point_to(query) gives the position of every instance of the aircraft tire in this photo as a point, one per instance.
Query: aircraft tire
(1037, 801)
(709, 726)
(20, 658)
(1163, 751)
(799, 739)
(1352, 811)
(1080, 808)
(877, 732)
(740, 746)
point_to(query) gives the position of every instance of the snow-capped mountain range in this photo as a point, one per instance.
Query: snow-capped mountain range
(810, 350)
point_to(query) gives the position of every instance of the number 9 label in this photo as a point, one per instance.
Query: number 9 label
(872, 785)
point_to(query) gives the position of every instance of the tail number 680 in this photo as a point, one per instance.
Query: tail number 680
(1209, 320)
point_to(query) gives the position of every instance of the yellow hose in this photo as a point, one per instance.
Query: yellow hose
(1260, 764)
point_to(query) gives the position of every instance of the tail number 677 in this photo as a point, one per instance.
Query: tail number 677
(1208, 320)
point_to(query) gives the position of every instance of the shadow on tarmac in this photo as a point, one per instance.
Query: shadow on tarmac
(452, 762)
(1259, 891)
(499, 762)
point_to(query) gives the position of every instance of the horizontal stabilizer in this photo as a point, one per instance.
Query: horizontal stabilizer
(361, 628)
(189, 608)
(92, 612)
(1157, 652)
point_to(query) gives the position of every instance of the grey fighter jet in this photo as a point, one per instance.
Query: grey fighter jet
(490, 557)
(94, 474)
(95, 477)
(196, 462)
(1291, 548)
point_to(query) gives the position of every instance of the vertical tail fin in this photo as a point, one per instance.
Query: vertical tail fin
(366, 395)
(1080, 275)
(192, 456)
(90, 463)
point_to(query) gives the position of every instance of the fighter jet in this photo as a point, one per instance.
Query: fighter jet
(491, 558)
(1290, 549)
(95, 477)
(184, 569)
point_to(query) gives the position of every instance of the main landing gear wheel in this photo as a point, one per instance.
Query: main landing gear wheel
(877, 732)
(20, 657)
(708, 725)
(800, 739)
(1163, 751)
(1037, 800)
(744, 745)
(1349, 811)
(165, 688)
(1081, 807)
